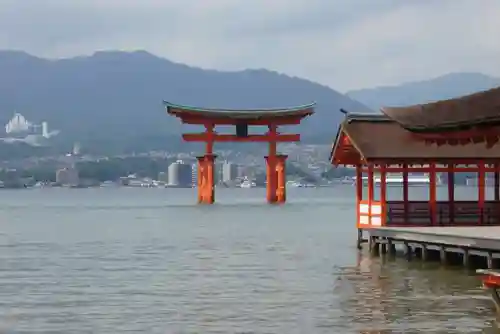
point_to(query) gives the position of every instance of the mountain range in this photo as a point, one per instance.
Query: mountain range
(115, 98)
(440, 88)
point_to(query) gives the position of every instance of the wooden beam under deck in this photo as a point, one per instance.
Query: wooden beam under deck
(487, 237)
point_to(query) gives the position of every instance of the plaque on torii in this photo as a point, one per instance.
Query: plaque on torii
(242, 120)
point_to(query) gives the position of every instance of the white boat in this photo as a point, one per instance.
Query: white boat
(298, 184)
(247, 184)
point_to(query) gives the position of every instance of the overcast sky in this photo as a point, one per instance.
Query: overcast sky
(345, 44)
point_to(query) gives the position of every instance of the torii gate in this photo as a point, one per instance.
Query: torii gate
(241, 119)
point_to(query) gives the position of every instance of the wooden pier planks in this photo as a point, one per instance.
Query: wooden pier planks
(483, 237)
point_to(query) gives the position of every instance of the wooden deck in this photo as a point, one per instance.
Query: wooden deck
(484, 237)
(471, 247)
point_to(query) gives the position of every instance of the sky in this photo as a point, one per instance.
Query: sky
(345, 44)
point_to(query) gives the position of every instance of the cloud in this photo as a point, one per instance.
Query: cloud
(342, 43)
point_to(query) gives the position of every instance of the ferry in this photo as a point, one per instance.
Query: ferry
(298, 184)
(248, 184)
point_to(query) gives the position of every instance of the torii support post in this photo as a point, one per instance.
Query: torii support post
(241, 119)
(281, 175)
(276, 178)
(206, 185)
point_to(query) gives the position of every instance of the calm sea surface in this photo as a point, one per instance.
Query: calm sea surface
(151, 261)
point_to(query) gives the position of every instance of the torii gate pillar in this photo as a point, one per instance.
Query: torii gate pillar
(276, 178)
(206, 184)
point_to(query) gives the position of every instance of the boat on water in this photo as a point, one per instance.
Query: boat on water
(248, 184)
(298, 184)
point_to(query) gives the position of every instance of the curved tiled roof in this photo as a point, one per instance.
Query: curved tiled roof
(384, 139)
(453, 114)
(240, 114)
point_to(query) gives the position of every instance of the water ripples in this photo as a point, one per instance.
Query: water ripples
(239, 288)
(229, 271)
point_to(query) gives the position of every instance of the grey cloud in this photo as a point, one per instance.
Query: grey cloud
(314, 15)
(342, 43)
(52, 22)
(47, 24)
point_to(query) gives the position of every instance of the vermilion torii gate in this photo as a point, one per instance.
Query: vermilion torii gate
(241, 119)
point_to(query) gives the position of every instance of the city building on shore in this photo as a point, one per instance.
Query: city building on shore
(229, 172)
(180, 174)
(12, 178)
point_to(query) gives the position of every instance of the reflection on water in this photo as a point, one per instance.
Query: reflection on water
(150, 261)
(387, 295)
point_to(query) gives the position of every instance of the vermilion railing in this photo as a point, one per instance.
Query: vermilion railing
(458, 213)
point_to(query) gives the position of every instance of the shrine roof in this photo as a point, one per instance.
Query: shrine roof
(378, 137)
(460, 113)
(183, 111)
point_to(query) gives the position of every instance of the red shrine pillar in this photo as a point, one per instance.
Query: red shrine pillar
(497, 183)
(271, 176)
(383, 193)
(432, 194)
(481, 191)
(371, 191)
(210, 187)
(271, 167)
(451, 194)
(496, 192)
(206, 184)
(201, 178)
(406, 203)
(281, 178)
(359, 198)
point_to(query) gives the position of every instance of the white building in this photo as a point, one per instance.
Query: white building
(180, 174)
(229, 171)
